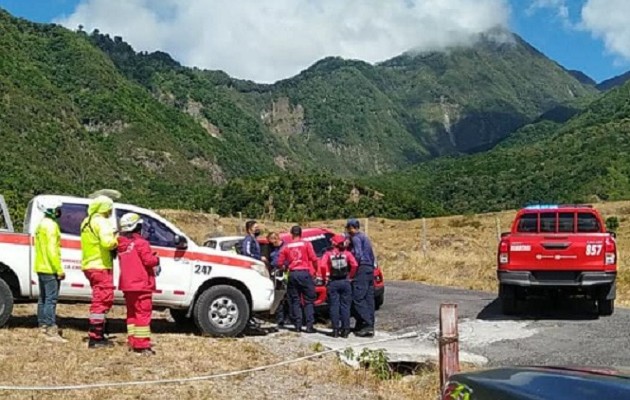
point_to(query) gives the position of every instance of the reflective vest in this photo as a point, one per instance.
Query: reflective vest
(97, 243)
(48, 248)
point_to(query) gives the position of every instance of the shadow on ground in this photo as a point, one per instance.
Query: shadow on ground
(572, 309)
(118, 326)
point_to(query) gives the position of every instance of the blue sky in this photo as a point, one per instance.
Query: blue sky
(553, 27)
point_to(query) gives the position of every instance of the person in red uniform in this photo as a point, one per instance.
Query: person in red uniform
(338, 267)
(301, 261)
(138, 268)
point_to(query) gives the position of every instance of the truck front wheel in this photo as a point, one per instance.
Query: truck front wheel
(221, 311)
(6, 303)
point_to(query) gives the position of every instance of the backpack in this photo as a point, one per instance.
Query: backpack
(339, 267)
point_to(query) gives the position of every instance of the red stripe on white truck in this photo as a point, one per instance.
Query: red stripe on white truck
(77, 285)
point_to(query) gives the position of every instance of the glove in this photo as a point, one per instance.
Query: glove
(158, 269)
(61, 276)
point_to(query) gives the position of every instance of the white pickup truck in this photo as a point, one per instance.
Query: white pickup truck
(218, 290)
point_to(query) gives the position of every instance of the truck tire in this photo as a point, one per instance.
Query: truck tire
(605, 307)
(507, 296)
(6, 303)
(221, 311)
(378, 301)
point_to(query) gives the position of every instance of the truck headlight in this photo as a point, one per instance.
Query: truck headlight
(261, 269)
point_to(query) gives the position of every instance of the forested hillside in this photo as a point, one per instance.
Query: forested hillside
(81, 111)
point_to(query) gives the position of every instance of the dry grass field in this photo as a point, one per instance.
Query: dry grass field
(26, 360)
(460, 252)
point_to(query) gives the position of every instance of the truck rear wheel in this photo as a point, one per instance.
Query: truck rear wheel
(605, 307)
(507, 296)
(221, 311)
(6, 303)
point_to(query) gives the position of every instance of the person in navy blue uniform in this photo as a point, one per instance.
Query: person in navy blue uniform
(363, 283)
(250, 245)
(300, 259)
(338, 266)
(283, 312)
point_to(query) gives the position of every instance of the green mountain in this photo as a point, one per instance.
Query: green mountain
(84, 111)
(614, 82)
(581, 160)
(349, 117)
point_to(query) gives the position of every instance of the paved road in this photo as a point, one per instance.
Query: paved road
(565, 334)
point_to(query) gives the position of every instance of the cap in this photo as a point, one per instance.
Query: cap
(353, 223)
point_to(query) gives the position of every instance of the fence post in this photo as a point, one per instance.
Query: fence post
(424, 237)
(498, 222)
(448, 342)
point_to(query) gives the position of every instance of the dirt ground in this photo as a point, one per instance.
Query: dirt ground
(455, 251)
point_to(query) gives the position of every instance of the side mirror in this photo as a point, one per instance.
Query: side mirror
(613, 234)
(504, 234)
(181, 243)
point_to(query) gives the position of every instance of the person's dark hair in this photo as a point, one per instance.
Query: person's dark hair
(272, 235)
(296, 231)
(249, 225)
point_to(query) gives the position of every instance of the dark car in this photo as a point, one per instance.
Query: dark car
(539, 383)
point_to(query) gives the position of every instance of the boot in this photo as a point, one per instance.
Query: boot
(365, 332)
(144, 352)
(344, 333)
(99, 344)
(53, 336)
(335, 333)
(310, 329)
(43, 330)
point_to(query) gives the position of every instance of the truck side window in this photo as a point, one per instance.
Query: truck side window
(71, 217)
(588, 223)
(566, 222)
(548, 222)
(528, 223)
(155, 231)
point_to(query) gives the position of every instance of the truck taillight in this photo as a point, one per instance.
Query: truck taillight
(504, 252)
(611, 252)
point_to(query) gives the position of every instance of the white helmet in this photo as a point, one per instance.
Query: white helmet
(129, 222)
(48, 205)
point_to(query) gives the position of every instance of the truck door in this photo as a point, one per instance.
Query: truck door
(173, 283)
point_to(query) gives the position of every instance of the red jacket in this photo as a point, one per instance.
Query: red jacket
(298, 255)
(136, 264)
(325, 263)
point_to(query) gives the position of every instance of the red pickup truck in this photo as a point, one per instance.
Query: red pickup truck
(557, 250)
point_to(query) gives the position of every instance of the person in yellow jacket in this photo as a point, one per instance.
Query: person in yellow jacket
(98, 240)
(49, 268)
